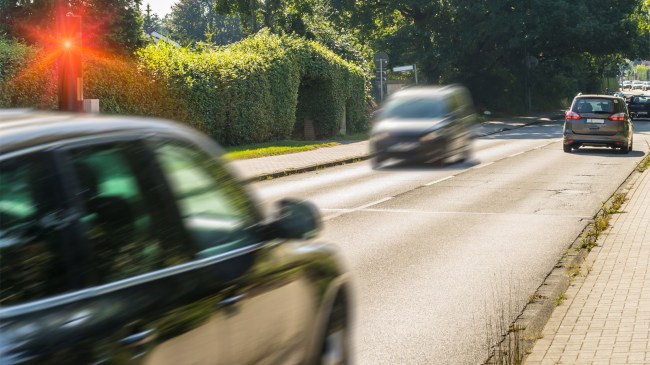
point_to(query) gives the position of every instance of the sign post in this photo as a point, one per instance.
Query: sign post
(381, 61)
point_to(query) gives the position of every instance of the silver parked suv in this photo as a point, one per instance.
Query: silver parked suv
(598, 120)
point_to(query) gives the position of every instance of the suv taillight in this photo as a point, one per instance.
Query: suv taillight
(573, 115)
(617, 117)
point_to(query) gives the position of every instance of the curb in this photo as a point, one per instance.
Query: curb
(347, 160)
(299, 170)
(533, 318)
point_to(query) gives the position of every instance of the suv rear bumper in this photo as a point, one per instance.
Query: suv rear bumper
(616, 140)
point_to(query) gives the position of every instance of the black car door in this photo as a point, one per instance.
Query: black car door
(271, 308)
(140, 290)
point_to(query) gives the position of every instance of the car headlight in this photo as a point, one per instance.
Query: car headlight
(430, 136)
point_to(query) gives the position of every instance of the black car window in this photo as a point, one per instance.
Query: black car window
(124, 217)
(215, 209)
(598, 106)
(31, 254)
(414, 108)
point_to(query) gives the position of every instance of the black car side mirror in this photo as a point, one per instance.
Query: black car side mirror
(295, 219)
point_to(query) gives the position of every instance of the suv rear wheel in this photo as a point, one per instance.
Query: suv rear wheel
(566, 147)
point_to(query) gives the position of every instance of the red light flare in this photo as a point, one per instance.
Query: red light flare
(56, 41)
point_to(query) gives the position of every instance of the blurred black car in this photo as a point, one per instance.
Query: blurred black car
(126, 240)
(639, 106)
(424, 124)
(598, 120)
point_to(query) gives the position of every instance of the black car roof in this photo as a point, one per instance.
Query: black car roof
(23, 128)
(597, 96)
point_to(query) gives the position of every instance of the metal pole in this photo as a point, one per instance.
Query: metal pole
(415, 69)
(381, 80)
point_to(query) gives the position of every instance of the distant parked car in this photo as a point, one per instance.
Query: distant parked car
(637, 85)
(126, 240)
(627, 84)
(639, 107)
(646, 85)
(598, 120)
(424, 124)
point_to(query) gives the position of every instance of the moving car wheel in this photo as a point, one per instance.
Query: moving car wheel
(335, 349)
(376, 161)
(625, 149)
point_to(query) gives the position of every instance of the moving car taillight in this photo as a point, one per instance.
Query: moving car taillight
(573, 115)
(617, 117)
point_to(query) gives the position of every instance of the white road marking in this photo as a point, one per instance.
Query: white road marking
(517, 154)
(483, 165)
(439, 180)
(340, 212)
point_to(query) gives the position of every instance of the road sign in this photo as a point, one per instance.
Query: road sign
(381, 59)
(403, 68)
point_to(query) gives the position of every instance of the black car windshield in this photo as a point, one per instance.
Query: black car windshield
(413, 108)
(597, 106)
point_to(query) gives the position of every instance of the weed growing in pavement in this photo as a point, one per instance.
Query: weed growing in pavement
(533, 298)
(644, 164)
(601, 222)
(504, 340)
(573, 271)
(560, 299)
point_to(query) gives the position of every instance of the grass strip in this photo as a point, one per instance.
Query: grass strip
(274, 149)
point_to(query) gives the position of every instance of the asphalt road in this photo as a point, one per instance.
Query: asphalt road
(444, 258)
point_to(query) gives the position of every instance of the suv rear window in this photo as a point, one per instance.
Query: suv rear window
(598, 106)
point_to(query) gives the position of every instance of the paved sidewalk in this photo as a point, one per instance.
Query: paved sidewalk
(605, 318)
(273, 166)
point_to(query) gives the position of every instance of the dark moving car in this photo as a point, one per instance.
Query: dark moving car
(424, 124)
(126, 240)
(639, 106)
(598, 120)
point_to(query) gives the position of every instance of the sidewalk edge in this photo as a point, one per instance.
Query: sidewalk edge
(529, 325)
(299, 170)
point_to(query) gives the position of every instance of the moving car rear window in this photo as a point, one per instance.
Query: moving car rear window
(598, 106)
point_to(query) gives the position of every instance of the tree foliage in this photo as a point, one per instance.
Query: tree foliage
(114, 25)
(484, 43)
(199, 21)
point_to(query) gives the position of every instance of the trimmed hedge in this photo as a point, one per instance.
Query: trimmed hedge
(28, 78)
(262, 88)
(258, 90)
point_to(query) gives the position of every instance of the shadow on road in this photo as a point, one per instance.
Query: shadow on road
(606, 152)
(399, 165)
(544, 130)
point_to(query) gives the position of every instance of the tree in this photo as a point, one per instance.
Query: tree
(113, 25)
(198, 20)
(484, 43)
(151, 21)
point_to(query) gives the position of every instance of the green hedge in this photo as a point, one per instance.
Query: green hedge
(257, 90)
(28, 78)
(262, 88)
